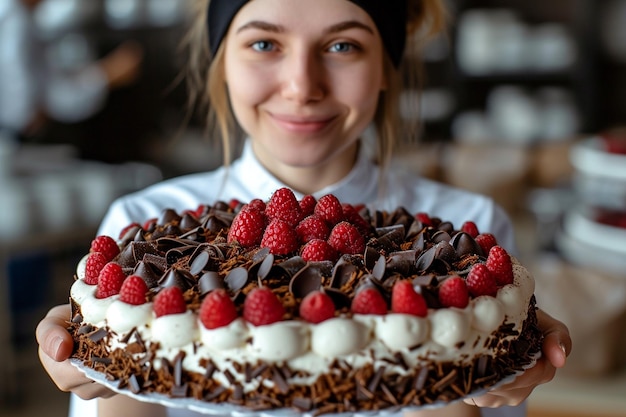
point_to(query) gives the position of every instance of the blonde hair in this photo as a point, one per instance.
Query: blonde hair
(208, 93)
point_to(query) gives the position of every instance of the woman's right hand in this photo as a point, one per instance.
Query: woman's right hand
(55, 347)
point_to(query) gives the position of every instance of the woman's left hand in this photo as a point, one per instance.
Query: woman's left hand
(557, 345)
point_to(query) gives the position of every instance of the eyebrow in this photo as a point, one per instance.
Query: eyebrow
(339, 27)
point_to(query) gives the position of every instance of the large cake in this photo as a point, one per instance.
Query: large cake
(312, 305)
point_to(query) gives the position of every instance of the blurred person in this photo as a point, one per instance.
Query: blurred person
(31, 92)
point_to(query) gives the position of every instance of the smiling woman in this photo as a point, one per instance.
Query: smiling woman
(307, 96)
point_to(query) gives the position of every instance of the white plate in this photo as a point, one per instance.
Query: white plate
(207, 408)
(589, 157)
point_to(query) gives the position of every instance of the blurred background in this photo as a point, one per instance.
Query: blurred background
(524, 101)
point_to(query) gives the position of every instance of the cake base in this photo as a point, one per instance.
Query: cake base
(368, 390)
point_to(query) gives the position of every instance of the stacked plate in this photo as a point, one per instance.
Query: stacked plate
(594, 231)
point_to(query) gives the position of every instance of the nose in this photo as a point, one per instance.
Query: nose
(303, 77)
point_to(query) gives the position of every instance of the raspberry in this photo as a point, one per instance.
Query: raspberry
(318, 250)
(351, 214)
(134, 290)
(307, 205)
(346, 238)
(262, 307)
(200, 211)
(106, 245)
(283, 205)
(258, 204)
(217, 309)
(312, 227)
(369, 301)
(329, 208)
(148, 224)
(169, 300)
(95, 262)
(453, 292)
(316, 307)
(404, 299)
(500, 265)
(470, 228)
(233, 204)
(480, 281)
(247, 227)
(127, 229)
(280, 238)
(110, 280)
(424, 218)
(486, 241)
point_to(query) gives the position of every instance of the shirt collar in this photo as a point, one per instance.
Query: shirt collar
(360, 185)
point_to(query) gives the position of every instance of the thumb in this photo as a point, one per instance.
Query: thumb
(52, 335)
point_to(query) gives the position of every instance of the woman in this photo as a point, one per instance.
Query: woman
(304, 91)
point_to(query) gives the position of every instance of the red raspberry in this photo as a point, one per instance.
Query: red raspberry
(280, 238)
(95, 262)
(312, 227)
(329, 208)
(169, 300)
(234, 203)
(453, 292)
(405, 300)
(307, 205)
(318, 250)
(369, 301)
(470, 228)
(258, 204)
(262, 307)
(134, 290)
(351, 214)
(147, 225)
(217, 309)
(127, 229)
(480, 281)
(110, 280)
(200, 211)
(500, 265)
(346, 238)
(424, 218)
(283, 205)
(247, 227)
(106, 245)
(486, 241)
(316, 307)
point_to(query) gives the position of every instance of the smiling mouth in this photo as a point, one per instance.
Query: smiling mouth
(302, 124)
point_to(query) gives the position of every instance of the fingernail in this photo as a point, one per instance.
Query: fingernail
(562, 346)
(56, 346)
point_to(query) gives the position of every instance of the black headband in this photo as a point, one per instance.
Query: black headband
(388, 15)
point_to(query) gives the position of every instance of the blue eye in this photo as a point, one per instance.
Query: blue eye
(263, 46)
(341, 47)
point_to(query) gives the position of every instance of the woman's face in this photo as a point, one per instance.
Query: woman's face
(304, 79)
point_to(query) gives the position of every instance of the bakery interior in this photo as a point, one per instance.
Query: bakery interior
(523, 101)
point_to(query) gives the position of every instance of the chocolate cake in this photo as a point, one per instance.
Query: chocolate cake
(313, 305)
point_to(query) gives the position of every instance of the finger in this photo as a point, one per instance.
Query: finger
(69, 379)
(52, 335)
(557, 343)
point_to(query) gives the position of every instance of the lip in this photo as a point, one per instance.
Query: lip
(302, 124)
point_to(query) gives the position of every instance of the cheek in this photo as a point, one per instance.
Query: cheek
(247, 86)
(360, 92)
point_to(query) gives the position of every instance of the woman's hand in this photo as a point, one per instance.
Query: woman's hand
(55, 347)
(557, 345)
